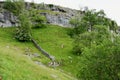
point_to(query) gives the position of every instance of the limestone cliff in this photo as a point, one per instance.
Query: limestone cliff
(54, 14)
(59, 15)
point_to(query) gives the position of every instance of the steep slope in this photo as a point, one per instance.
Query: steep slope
(55, 40)
(54, 14)
(15, 65)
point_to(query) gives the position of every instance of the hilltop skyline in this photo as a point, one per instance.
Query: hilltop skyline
(111, 7)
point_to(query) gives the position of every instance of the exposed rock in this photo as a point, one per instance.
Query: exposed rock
(62, 16)
(32, 55)
(7, 19)
(53, 64)
(56, 15)
(36, 55)
(39, 63)
(58, 19)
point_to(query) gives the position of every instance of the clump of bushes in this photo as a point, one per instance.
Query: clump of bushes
(39, 21)
(23, 33)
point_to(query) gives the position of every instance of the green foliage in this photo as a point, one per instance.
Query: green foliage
(14, 6)
(89, 20)
(76, 23)
(101, 62)
(50, 5)
(42, 6)
(87, 38)
(99, 50)
(39, 25)
(23, 33)
(24, 68)
(38, 20)
(15, 65)
(33, 5)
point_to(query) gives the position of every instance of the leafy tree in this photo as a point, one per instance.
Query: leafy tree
(23, 32)
(90, 19)
(99, 54)
(101, 62)
(87, 38)
(113, 25)
(37, 19)
(15, 6)
(79, 26)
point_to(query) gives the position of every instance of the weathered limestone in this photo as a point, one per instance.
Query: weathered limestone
(56, 15)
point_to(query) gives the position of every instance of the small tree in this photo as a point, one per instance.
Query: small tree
(89, 20)
(86, 39)
(14, 6)
(37, 19)
(23, 32)
(101, 62)
(18, 8)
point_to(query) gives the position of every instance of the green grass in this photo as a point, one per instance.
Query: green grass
(15, 65)
(55, 40)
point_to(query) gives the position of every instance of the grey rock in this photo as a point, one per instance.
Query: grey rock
(58, 15)
(1, 17)
(7, 19)
(59, 19)
(62, 17)
(36, 55)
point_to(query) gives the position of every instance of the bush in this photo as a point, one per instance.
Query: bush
(86, 39)
(22, 35)
(14, 6)
(77, 50)
(38, 20)
(23, 32)
(50, 5)
(89, 20)
(39, 26)
(100, 62)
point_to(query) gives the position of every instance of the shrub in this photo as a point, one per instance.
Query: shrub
(38, 20)
(39, 25)
(23, 32)
(100, 62)
(50, 5)
(14, 6)
(22, 35)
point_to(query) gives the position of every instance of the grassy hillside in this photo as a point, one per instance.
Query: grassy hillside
(56, 41)
(15, 65)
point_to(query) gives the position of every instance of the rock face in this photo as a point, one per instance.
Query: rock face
(59, 15)
(54, 14)
(7, 19)
(58, 19)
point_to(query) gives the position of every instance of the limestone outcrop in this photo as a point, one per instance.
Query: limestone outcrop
(54, 14)
(7, 19)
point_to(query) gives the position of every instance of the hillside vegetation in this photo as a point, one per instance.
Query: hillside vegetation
(38, 50)
(16, 65)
